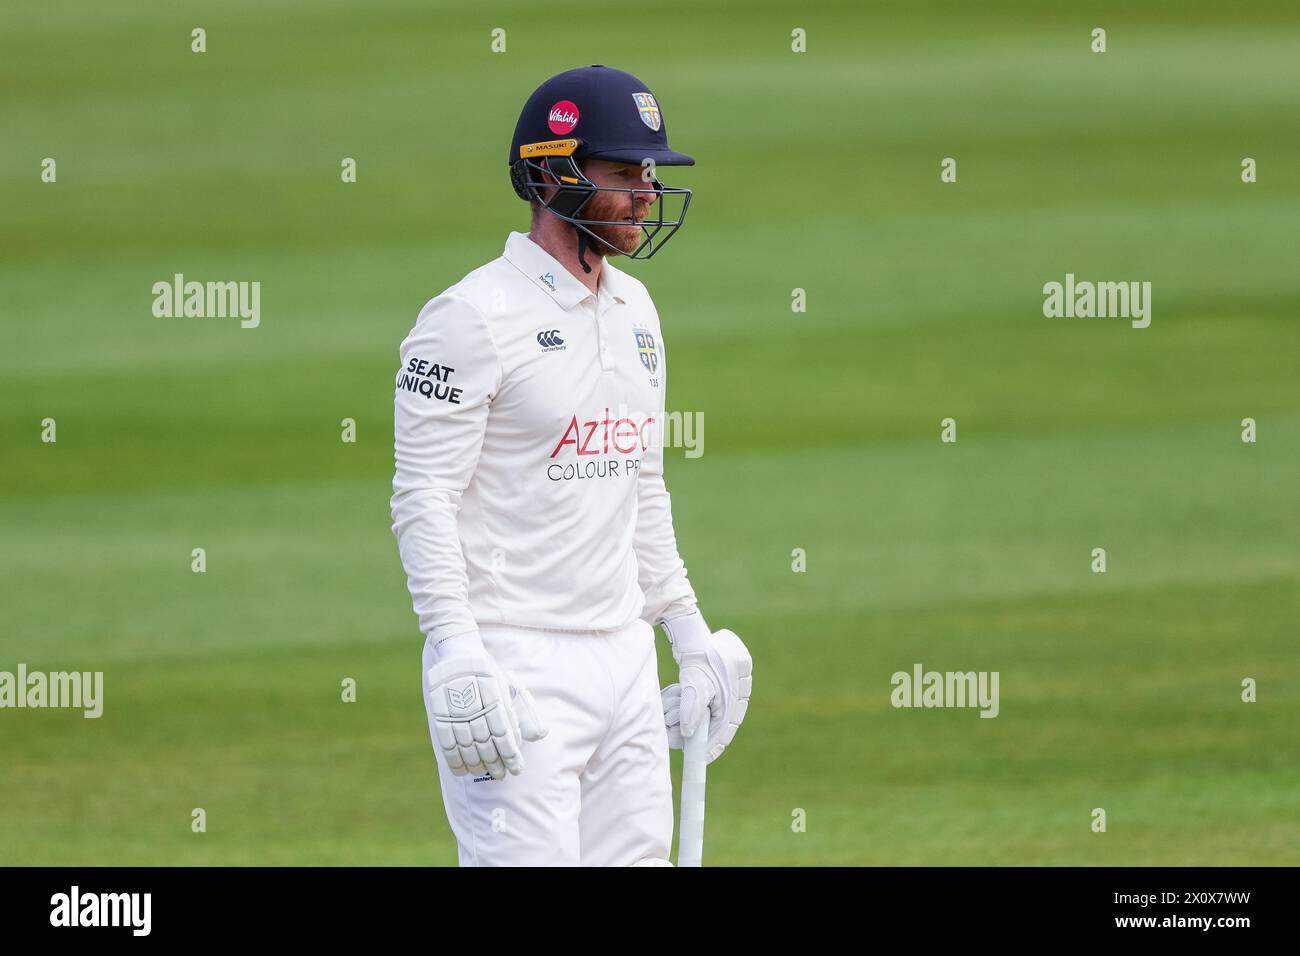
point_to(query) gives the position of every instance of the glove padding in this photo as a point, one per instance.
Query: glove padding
(480, 716)
(716, 681)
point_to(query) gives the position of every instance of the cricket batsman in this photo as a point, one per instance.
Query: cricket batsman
(531, 514)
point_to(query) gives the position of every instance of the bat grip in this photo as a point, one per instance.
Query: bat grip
(690, 836)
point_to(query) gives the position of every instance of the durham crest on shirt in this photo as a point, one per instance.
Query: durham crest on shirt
(645, 347)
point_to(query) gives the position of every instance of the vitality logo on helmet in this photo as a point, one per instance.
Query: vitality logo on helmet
(563, 117)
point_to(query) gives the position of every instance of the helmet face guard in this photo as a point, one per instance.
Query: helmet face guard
(570, 191)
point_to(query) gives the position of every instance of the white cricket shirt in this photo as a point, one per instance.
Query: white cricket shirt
(528, 427)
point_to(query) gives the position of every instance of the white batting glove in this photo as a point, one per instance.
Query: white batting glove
(715, 678)
(480, 712)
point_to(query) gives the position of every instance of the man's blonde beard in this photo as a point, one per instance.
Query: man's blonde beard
(626, 242)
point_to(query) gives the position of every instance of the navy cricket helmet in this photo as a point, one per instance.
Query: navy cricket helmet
(595, 112)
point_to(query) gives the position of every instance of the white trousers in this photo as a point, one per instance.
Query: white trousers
(596, 791)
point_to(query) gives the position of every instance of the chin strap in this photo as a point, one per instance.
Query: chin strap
(582, 249)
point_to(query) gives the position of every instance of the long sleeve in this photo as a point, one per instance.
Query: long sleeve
(660, 570)
(449, 373)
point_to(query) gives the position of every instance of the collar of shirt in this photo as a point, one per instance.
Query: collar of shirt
(542, 269)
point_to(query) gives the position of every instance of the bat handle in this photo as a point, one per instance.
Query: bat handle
(690, 836)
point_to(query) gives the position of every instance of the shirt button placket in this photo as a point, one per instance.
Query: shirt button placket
(602, 339)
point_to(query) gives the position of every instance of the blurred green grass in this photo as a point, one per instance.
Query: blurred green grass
(817, 171)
